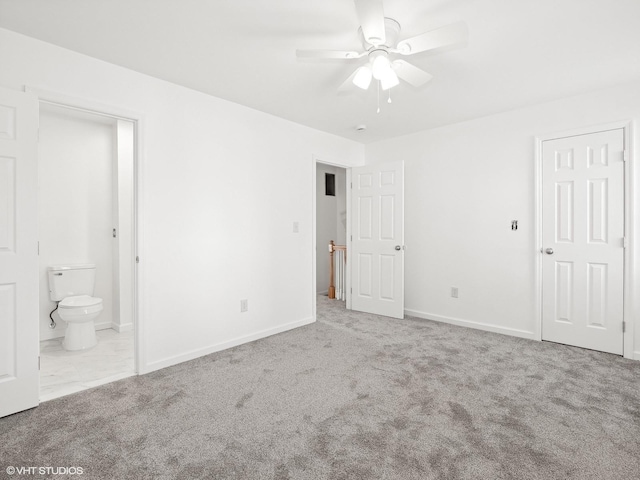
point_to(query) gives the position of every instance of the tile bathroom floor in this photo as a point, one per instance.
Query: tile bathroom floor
(62, 372)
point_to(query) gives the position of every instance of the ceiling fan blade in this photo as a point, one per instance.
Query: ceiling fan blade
(371, 17)
(449, 36)
(410, 74)
(333, 54)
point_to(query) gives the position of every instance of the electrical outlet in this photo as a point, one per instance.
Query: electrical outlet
(244, 305)
(454, 292)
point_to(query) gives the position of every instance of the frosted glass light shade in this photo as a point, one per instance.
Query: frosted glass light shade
(389, 80)
(380, 67)
(362, 78)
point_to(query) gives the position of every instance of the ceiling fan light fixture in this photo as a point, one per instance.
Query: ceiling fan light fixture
(380, 67)
(362, 78)
(389, 80)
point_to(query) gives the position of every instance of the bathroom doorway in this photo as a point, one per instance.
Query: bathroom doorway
(86, 213)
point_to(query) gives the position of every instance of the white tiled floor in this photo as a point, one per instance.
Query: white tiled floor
(62, 372)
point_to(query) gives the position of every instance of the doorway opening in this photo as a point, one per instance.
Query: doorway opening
(331, 225)
(86, 213)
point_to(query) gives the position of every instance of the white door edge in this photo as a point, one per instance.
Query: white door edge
(137, 118)
(631, 298)
(19, 331)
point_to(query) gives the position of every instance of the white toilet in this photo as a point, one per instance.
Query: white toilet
(72, 286)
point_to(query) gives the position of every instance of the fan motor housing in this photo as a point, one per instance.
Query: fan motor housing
(391, 30)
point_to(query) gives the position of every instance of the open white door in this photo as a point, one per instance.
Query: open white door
(377, 248)
(19, 337)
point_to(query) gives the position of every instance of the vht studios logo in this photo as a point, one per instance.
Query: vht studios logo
(44, 470)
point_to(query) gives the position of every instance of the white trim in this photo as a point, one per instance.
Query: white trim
(125, 327)
(193, 354)
(629, 224)
(487, 327)
(537, 207)
(85, 105)
(636, 355)
(349, 241)
(82, 104)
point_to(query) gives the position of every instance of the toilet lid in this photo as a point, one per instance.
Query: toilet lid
(79, 301)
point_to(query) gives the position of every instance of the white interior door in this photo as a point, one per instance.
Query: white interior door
(582, 234)
(377, 247)
(19, 336)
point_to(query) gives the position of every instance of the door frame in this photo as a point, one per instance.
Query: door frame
(314, 163)
(629, 224)
(88, 106)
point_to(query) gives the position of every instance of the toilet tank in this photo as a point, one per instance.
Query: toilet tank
(68, 280)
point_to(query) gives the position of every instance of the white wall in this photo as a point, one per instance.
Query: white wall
(213, 226)
(75, 163)
(465, 183)
(331, 221)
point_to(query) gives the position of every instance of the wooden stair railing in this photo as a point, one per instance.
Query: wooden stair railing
(342, 253)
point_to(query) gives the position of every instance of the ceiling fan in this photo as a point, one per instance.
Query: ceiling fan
(380, 45)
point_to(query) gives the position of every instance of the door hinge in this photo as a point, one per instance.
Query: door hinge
(137, 259)
(38, 362)
(351, 237)
(351, 290)
(625, 155)
(624, 327)
(625, 242)
(351, 184)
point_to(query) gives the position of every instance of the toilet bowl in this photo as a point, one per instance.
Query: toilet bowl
(79, 312)
(72, 287)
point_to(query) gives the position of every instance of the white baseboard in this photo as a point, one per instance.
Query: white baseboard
(324, 292)
(52, 334)
(636, 355)
(193, 354)
(125, 327)
(488, 327)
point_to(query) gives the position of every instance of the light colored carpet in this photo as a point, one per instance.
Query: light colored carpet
(353, 396)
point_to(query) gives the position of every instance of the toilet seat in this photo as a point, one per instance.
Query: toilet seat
(78, 307)
(77, 301)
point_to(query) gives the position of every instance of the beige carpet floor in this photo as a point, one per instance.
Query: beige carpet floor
(352, 396)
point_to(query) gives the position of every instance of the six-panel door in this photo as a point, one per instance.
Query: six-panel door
(19, 337)
(583, 232)
(378, 239)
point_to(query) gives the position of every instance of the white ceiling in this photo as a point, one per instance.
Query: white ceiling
(520, 52)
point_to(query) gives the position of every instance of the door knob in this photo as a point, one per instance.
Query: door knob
(549, 251)
(398, 247)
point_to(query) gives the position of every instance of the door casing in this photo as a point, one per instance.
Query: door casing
(629, 225)
(137, 119)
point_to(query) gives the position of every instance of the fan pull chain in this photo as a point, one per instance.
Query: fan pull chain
(378, 111)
